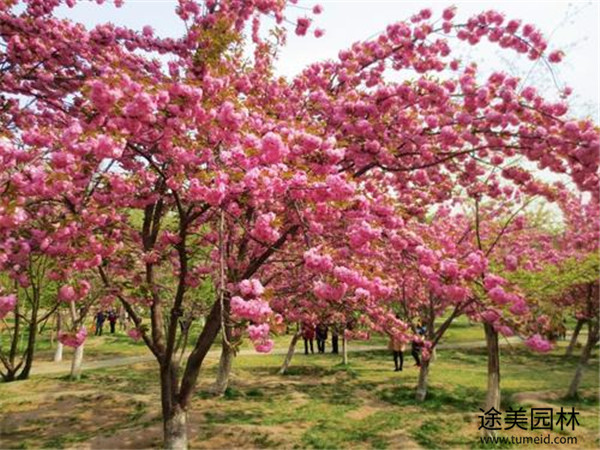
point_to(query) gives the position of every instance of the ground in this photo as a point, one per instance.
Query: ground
(319, 404)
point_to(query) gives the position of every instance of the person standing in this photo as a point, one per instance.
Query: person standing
(334, 340)
(112, 320)
(100, 318)
(308, 334)
(397, 347)
(321, 337)
(417, 344)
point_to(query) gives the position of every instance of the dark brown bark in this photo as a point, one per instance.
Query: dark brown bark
(196, 358)
(16, 334)
(573, 342)
(227, 353)
(592, 340)
(175, 392)
(30, 350)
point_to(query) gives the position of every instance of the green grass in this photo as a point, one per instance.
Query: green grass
(318, 404)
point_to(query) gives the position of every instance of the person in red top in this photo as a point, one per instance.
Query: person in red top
(308, 334)
(112, 320)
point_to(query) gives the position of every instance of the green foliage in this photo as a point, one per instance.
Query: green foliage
(553, 280)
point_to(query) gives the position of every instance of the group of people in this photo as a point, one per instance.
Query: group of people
(398, 348)
(103, 316)
(320, 333)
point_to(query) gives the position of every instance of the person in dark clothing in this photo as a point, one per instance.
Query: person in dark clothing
(112, 320)
(416, 352)
(417, 346)
(334, 341)
(100, 318)
(321, 337)
(308, 334)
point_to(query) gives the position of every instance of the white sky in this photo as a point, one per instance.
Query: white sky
(573, 27)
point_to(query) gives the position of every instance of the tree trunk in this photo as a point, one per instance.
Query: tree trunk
(174, 414)
(11, 371)
(30, 350)
(433, 355)
(224, 371)
(175, 429)
(9, 376)
(423, 380)
(584, 358)
(573, 341)
(227, 353)
(492, 399)
(344, 349)
(290, 353)
(58, 353)
(76, 363)
(186, 336)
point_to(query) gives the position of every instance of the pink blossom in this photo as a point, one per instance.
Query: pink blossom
(426, 271)
(555, 56)
(302, 25)
(538, 344)
(490, 315)
(491, 281)
(273, 150)
(504, 330)
(339, 188)
(7, 304)
(134, 334)
(456, 294)
(519, 308)
(263, 229)
(73, 339)
(348, 276)
(251, 288)
(264, 346)
(449, 268)
(255, 310)
(313, 260)
(326, 291)
(360, 234)
(426, 255)
(498, 295)
(511, 263)
(449, 13)
(258, 332)
(67, 294)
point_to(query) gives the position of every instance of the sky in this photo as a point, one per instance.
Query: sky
(573, 27)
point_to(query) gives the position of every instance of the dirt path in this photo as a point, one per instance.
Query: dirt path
(49, 368)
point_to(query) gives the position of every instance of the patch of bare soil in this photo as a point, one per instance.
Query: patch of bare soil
(399, 439)
(536, 398)
(136, 437)
(55, 413)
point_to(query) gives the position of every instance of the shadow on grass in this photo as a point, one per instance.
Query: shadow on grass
(461, 399)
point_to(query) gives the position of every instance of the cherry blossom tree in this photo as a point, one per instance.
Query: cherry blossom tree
(208, 170)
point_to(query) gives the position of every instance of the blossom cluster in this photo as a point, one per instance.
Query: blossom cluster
(73, 339)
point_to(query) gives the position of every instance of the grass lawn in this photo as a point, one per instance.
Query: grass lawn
(319, 404)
